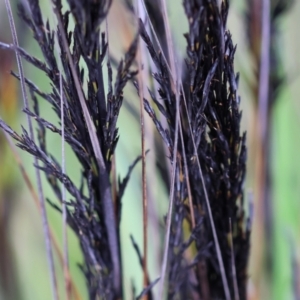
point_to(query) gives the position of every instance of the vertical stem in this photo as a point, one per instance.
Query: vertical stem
(233, 269)
(144, 182)
(174, 154)
(64, 198)
(36, 162)
(263, 93)
(262, 121)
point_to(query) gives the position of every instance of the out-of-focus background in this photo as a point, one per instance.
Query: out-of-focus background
(275, 250)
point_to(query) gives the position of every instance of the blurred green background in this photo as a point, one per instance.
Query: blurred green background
(274, 262)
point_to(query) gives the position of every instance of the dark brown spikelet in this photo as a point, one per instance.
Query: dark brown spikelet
(212, 113)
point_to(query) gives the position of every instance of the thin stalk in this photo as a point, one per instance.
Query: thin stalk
(36, 162)
(263, 104)
(233, 269)
(144, 187)
(66, 268)
(65, 256)
(186, 171)
(170, 208)
(171, 198)
(144, 181)
(263, 115)
(153, 221)
(263, 93)
(64, 196)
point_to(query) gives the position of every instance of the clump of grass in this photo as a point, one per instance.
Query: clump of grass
(201, 134)
(215, 155)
